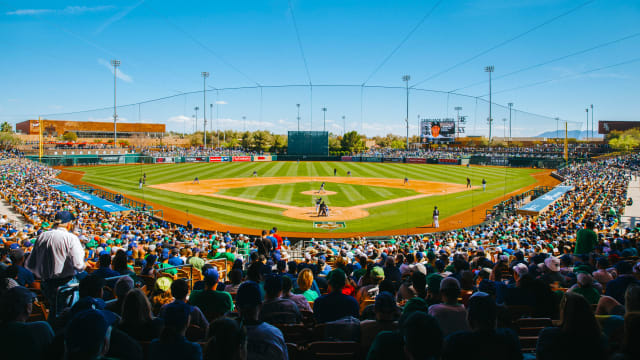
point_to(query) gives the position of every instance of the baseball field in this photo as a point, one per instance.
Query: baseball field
(363, 198)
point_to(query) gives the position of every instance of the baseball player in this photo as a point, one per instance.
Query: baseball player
(322, 187)
(436, 215)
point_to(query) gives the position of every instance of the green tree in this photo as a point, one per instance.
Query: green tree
(398, 144)
(70, 136)
(334, 144)
(8, 140)
(6, 127)
(352, 142)
(279, 143)
(195, 140)
(625, 142)
(261, 140)
(247, 140)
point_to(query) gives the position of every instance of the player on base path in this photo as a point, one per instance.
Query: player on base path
(436, 215)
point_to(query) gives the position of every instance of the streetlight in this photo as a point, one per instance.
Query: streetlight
(587, 110)
(205, 75)
(115, 64)
(195, 129)
(298, 105)
(510, 107)
(324, 119)
(344, 125)
(406, 79)
(489, 69)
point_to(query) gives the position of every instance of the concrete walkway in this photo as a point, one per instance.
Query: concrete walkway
(631, 215)
(5, 209)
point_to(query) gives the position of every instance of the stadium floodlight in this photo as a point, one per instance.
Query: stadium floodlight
(557, 128)
(406, 79)
(457, 109)
(587, 110)
(592, 124)
(204, 75)
(115, 63)
(211, 126)
(344, 125)
(510, 107)
(298, 105)
(489, 69)
(195, 129)
(324, 119)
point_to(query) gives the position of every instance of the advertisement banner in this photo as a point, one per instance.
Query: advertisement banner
(262, 158)
(449, 161)
(241, 158)
(90, 199)
(219, 158)
(543, 202)
(392, 159)
(437, 131)
(329, 225)
(163, 160)
(195, 159)
(110, 159)
(371, 159)
(416, 160)
(347, 158)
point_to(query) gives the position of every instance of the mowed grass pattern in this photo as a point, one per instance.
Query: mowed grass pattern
(124, 179)
(291, 194)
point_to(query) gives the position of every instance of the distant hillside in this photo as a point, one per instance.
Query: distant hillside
(575, 134)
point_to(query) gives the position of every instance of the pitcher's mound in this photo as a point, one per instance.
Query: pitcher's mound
(318, 192)
(335, 214)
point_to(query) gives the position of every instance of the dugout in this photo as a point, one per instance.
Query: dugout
(308, 143)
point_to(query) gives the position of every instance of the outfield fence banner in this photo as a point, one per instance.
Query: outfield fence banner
(241, 158)
(416, 160)
(111, 159)
(392, 159)
(219, 158)
(449, 161)
(347, 158)
(163, 160)
(541, 204)
(329, 225)
(90, 199)
(371, 159)
(195, 159)
(262, 158)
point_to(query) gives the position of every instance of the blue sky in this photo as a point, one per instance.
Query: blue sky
(57, 53)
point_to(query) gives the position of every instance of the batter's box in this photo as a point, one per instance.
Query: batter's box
(329, 225)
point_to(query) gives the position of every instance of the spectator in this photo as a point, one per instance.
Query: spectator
(300, 300)
(264, 341)
(161, 294)
(213, 303)
(335, 305)
(24, 276)
(276, 310)
(172, 343)
(616, 288)
(123, 285)
(179, 291)
(584, 287)
(385, 310)
(586, 239)
(228, 341)
(450, 314)
(88, 336)
(422, 337)
(305, 281)
(137, 319)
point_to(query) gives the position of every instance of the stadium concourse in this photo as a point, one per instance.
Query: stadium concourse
(80, 283)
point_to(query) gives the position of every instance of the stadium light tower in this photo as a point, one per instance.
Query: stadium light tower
(344, 125)
(324, 119)
(592, 124)
(115, 64)
(205, 75)
(406, 79)
(298, 105)
(489, 69)
(587, 110)
(195, 129)
(557, 128)
(211, 126)
(510, 107)
(457, 109)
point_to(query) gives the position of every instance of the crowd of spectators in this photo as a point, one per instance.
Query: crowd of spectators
(145, 288)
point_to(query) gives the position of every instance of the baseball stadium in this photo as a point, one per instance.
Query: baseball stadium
(300, 180)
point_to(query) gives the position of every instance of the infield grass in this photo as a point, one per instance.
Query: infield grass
(124, 179)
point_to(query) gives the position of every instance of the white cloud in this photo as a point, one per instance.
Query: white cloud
(221, 102)
(179, 119)
(122, 76)
(117, 17)
(239, 124)
(69, 10)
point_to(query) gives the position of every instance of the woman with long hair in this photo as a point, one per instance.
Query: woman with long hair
(305, 281)
(228, 340)
(579, 335)
(137, 319)
(172, 343)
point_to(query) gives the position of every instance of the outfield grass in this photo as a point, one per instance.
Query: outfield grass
(124, 179)
(290, 194)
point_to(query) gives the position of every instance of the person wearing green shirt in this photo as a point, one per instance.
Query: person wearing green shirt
(586, 239)
(586, 289)
(196, 261)
(213, 303)
(229, 255)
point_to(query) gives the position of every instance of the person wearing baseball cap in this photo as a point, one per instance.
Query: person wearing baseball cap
(451, 316)
(56, 259)
(335, 305)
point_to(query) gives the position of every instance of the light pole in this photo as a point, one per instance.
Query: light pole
(205, 75)
(504, 128)
(324, 119)
(298, 105)
(115, 64)
(592, 123)
(489, 69)
(510, 107)
(344, 125)
(457, 109)
(406, 79)
(195, 129)
(587, 110)
(557, 128)
(194, 118)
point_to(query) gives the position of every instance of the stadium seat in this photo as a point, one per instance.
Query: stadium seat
(333, 350)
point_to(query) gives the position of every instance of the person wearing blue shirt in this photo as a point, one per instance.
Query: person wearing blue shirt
(335, 305)
(175, 260)
(25, 277)
(172, 343)
(105, 271)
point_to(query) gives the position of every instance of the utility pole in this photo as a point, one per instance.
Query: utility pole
(205, 75)
(211, 126)
(592, 123)
(298, 106)
(115, 64)
(195, 130)
(406, 79)
(344, 125)
(510, 107)
(489, 69)
(587, 110)
(324, 119)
